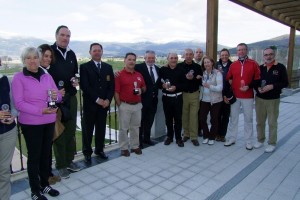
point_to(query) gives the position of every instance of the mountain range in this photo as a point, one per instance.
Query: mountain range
(12, 47)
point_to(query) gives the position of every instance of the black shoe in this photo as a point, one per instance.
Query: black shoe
(87, 158)
(149, 142)
(180, 143)
(141, 146)
(168, 141)
(185, 138)
(49, 190)
(38, 196)
(195, 142)
(102, 155)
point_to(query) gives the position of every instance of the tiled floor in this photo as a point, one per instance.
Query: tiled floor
(205, 172)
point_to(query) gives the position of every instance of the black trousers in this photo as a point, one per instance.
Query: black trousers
(93, 117)
(173, 115)
(213, 109)
(38, 140)
(224, 119)
(148, 114)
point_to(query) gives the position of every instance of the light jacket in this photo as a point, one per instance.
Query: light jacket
(213, 94)
(31, 97)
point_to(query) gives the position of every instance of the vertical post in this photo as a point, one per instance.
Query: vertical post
(212, 28)
(290, 61)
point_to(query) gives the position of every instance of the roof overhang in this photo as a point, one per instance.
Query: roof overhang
(286, 12)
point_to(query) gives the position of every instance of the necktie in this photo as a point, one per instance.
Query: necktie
(99, 67)
(152, 75)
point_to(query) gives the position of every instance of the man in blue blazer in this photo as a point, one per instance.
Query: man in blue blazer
(98, 86)
(150, 73)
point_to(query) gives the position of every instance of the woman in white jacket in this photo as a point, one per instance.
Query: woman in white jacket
(211, 101)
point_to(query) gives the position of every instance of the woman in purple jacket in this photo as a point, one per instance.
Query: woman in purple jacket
(32, 91)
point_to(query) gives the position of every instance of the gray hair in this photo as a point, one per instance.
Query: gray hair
(29, 51)
(188, 50)
(172, 53)
(149, 52)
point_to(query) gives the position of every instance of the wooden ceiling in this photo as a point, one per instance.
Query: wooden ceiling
(284, 11)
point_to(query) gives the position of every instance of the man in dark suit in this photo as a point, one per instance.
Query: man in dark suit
(150, 73)
(97, 84)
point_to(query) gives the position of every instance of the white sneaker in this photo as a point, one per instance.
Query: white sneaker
(211, 142)
(270, 149)
(205, 141)
(229, 143)
(257, 145)
(249, 146)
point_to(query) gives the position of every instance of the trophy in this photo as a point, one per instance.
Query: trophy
(5, 107)
(60, 85)
(191, 72)
(135, 89)
(51, 101)
(263, 84)
(168, 84)
(77, 78)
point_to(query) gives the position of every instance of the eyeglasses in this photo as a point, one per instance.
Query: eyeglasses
(270, 54)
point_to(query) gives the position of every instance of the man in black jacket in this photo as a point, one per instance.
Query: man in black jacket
(150, 73)
(98, 86)
(63, 70)
(273, 77)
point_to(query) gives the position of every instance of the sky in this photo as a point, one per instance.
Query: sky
(158, 21)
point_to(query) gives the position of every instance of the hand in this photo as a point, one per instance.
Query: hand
(49, 110)
(226, 100)
(105, 103)
(244, 88)
(9, 120)
(5, 117)
(206, 85)
(189, 76)
(198, 77)
(74, 82)
(140, 91)
(266, 88)
(172, 88)
(62, 92)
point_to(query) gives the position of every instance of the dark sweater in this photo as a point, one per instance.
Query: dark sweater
(64, 69)
(191, 85)
(176, 77)
(224, 70)
(277, 76)
(5, 99)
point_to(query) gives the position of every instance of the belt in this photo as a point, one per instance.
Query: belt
(130, 103)
(172, 95)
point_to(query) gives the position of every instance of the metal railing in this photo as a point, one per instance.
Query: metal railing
(110, 132)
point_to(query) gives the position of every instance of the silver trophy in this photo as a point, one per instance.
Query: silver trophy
(135, 89)
(191, 72)
(168, 84)
(5, 107)
(263, 84)
(51, 101)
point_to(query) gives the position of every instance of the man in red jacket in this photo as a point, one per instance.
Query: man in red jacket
(243, 75)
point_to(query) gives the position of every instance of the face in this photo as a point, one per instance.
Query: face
(172, 60)
(198, 54)
(188, 56)
(242, 51)
(224, 55)
(150, 59)
(32, 63)
(207, 64)
(96, 52)
(130, 61)
(269, 56)
(63, 37)
(46, 58)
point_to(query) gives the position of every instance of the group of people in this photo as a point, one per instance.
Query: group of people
(192, 90)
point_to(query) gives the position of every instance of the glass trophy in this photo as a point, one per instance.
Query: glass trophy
(51, 101)
(135, 89)
(168, 84)
(5, 107)
(60, 85)
(263, 84)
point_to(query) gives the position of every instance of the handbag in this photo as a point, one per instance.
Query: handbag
(59, 127)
